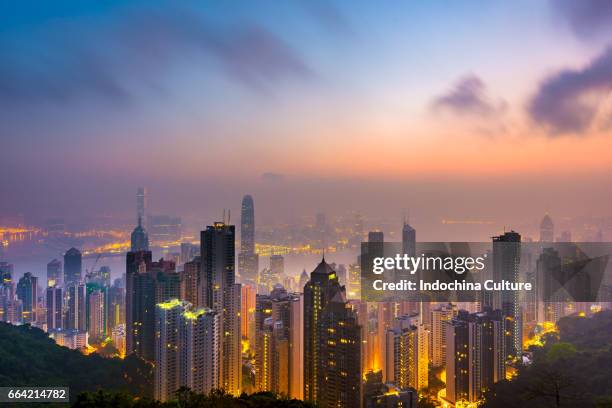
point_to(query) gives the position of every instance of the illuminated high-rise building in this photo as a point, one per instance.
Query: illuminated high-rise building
(332, 342)
(222, 294)
(186, 349)
(191, 282)
(278, 343)
(439, 315)
(506, 262)
(339, 366)
(547, 229)
(139, 305)
(55, 307)
(248, 260)
(407, 353)
(147, 283)
(474, 354)
(27, 292)
(54, 273)
(73, 265)
(247, 315)
(97, 315)
(76, 316)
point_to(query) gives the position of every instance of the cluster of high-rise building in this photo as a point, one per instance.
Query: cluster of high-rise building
(74, 309)
(217, 322)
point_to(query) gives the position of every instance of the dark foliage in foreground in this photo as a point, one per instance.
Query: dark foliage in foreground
(573, 369)
(28, 357)
(188, 399)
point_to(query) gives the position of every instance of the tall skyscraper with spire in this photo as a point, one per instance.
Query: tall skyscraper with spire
(222, 294)
(248, 260)
(139, 238)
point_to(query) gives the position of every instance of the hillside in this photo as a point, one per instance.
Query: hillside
(29, 358)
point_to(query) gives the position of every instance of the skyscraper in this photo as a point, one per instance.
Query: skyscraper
(277, 342)
(407, 354)
(54, 272)
(76, 307)
(337, 324)
(97, 314)
(222, 294)
(55, 300)
(506, 262)
(72, 267)
(248, 260)
(191, 282)
(439, 315)
(186, 349)
(27, 292)
(339, 365)
(139, 304)
(474, 354)
(547, 229)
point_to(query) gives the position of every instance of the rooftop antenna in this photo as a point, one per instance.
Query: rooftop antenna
(229, 216)
(224, 215)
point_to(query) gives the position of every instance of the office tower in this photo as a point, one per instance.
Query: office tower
(222, 294)
(55, 306)
(167, 349)
(550, 307)
(296, 346)
(339, 367)
(76, 307)
(54, 273)
(408, 239)
(147, 283)
(186, 349)
(474, 354)
(139, 238)
(191, 282)
(97, 317)
(27, 292)
(247, 321)
(248, 260)
(506, 261)
(376, 236)
(547, 229)
(278, 342)
(439, 315)
(407, 353)
(164, 228)
(10, 307)
(303, 280)
(141, 204)
(354, 281)
(324, 320)
(247, 225)
(72, 267)
(139, 304)
(116, 308)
